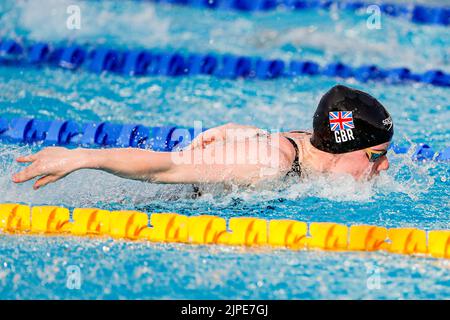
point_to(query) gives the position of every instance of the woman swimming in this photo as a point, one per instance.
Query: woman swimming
(351, 134)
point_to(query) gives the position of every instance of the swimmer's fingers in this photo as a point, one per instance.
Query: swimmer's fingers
(28, 173)
(26, 159)
(207, 140)
(195, 142)
(262, 133)
(229, 131)
(44, 181)
(203, 139)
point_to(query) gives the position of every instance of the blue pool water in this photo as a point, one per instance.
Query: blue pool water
(410, 194)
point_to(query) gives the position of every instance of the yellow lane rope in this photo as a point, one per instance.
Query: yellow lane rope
(205, 229)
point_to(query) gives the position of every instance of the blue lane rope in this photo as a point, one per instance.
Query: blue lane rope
(145, 62)
(413, 12)
(106, 134)
(93, 134)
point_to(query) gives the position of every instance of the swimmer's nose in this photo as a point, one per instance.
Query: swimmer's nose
(383, 164)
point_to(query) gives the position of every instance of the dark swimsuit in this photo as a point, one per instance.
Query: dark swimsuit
(296, 168)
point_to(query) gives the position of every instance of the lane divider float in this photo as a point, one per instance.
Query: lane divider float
(95, 134)
(205, 230)
(162, 138)
(141, 62)
(416, 13)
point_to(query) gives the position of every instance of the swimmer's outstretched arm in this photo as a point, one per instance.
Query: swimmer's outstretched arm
(187, 166)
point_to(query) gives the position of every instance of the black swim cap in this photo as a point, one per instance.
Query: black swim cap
(347, 120)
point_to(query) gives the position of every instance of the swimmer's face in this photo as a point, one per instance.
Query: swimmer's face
(358, 165)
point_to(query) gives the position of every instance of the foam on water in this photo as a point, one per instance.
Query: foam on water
(100, 22)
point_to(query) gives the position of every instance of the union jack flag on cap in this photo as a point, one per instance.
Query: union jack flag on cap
(341, 120)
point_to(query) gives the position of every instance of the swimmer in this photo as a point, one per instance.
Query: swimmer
(351, 135)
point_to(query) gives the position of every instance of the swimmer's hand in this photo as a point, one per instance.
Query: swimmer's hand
(50, 164)
(229, 131)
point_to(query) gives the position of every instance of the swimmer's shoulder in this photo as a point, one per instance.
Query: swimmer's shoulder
(296, 135)
(286, 141)
(294, 144)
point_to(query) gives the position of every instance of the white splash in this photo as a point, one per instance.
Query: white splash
(138, 24)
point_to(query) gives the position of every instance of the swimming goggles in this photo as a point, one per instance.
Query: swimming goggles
(374, 155)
